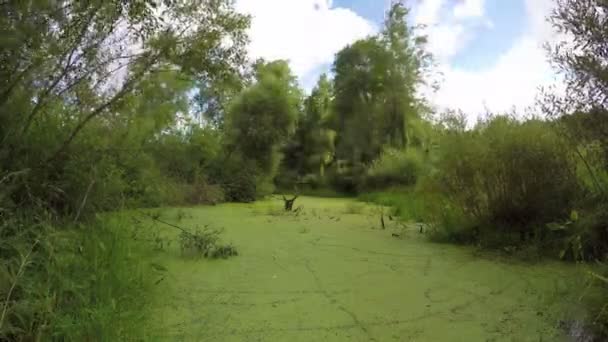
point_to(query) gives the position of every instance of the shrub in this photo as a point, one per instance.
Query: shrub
(587, 233)
(237, 178)
(394, 167)
(205, 242)
(201, 192)
(347, 181)
(507, 175)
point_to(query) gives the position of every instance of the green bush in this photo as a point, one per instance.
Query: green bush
(587, 233)
(349, 180)
(237, 178)
(394, 167)
(507, 175)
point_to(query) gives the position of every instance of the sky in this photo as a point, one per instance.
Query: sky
(489, 53)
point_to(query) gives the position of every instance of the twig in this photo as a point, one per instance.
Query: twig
(600, 277)
(19, 274)
(13, 174)
(166, 223)
(84, 200)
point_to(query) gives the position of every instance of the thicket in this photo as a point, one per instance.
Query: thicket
(506, 176)
(96, 115)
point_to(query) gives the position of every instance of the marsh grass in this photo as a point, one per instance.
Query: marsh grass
(202, 241)
(205, 242)
(404, 203)
(69, 284)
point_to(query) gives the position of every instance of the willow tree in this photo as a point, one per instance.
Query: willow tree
(582, 59)
(375, 89)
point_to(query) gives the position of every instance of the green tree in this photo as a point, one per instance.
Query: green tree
(319, 139)
(582, 58)
(67, 65)
(358, 85)
(312, 146)
(262, 118)
(375, 89)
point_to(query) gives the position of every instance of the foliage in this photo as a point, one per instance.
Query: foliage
(394, 167)
(198, 241)
(94, 99)
(205, 242)
(582, 58)
(407, 203)
(375, 86)
(497, 174)
(311, 148)
(69, 285)
(107, 105)
(262, 118)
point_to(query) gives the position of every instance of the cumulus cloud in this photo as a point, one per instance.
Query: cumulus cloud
(512, 82)
(447, 26)
(469, 9)
(308, 33)
(428, 11)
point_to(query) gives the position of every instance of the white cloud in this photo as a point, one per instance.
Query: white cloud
(511, 83)
(513, 80)
(449, 31)
(469, 9)
(446, 40)
(428, 12)
(308, 33)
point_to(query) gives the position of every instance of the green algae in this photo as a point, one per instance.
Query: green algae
(329, 274)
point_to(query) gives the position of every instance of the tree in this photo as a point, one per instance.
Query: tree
(70, 64)
(358, 84)
(375, 89)
(263, 116)
(583, 57)
(583, 60)
(319, 139)
(405, 71)
(312, 146)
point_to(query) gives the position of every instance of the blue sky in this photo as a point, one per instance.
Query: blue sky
(489, 52)
(491, 36)
(488, 43)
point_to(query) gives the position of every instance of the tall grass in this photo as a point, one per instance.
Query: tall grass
(73, 283)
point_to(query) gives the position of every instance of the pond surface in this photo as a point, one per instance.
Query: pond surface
(329, 273)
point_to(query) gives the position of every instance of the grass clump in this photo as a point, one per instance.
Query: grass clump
(205, 242)
(62, 284)
(199, 241)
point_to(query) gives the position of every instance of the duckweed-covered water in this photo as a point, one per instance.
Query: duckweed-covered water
(329, 273)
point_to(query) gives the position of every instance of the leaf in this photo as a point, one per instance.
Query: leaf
(554, 226)
(158, 267)
(574, 216)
